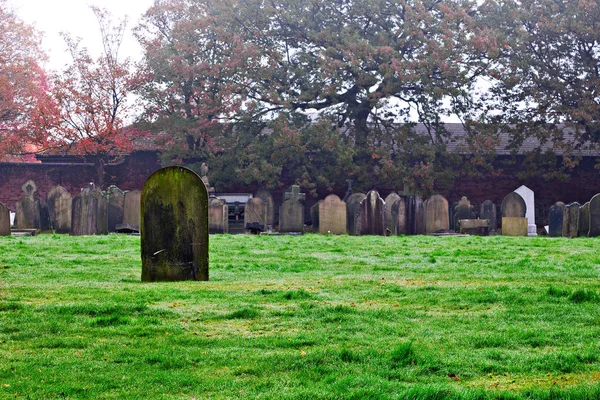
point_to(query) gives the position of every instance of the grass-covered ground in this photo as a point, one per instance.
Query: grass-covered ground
(303, 317)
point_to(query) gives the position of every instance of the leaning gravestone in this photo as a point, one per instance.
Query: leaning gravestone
(267, 198)
(372, 215)
(174, 226)
(529, 198)
(4, 221)
(436, 214)
(332, 215)
(28, 208)
(513, 210)
(487, 210)
(131, 212)
(116, 207)
(218, 217)
(415, 216)
(84, 213)
(255, 213)
(352, 206)
(291, 212)
(60, 203)
(399, 210)
(389, 221)
(584, 220)
(594, 216)
(556, 216)
(463, 210)
(571, 220)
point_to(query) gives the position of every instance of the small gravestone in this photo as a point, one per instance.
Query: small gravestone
(291, 212)
(131, 212)
(463, 210)
(529, 198)
(556, 217)
(389, 202)
(436, 214)
(352, 207)
(255, 212)
(84, 213)
(415, 216)
(60, 203)
(314, 216)
(267, 198)
(399, 216)
(594, 216)
(28, 208)
(487, 210)
(513, 207)
(116, 207)
(371, 214)
(584, 220)
(4, 221)
(332, 216)
(218, 218)
(174, 226)
(571, 220)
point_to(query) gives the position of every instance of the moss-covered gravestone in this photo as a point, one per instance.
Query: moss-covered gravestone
(174, 226)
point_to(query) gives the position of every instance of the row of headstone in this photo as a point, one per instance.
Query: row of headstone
(575, 220)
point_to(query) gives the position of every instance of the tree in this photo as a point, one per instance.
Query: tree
(24, 99)
(91, 97)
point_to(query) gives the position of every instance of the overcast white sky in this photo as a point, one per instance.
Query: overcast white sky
(75, 17)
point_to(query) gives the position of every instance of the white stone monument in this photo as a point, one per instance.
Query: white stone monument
(527, 195)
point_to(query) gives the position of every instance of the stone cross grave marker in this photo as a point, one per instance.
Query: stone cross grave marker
(291, 212)
(556, 217)
(84, 214)
(332, 216)
(131, 212)
(352, 206)
(399, 210)
(255, 213)
(571, 220)
(436, 214)
(28, 208)
(584, 220)
(487, 210)
(4, 221)
(594, 216)
(218, 216)
(529, 198)
(513, 210)
(60, 204)
(116, 207)
(174, 226)
(389, 203)
(372, 214)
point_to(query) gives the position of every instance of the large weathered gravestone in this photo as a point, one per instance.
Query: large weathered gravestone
(116, 207)
(594, 216)
(28, 208)
(372, 215)
(352, 206)
(556, 216)
(513, 210)
(415, 216)
(4, 221)
(584, 220)
(255, 214)
(436, 214)
(84, 214)
(487, 210)
(218, 216)
(332, 215)
(463, 210)
(131, 212)
(571, 220)
(529, 198)
(389, 203)
(174, 226)
(399, 215)
(291, 212)
(60, 203)
(267, 198)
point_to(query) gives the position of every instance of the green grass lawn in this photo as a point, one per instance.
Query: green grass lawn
(308, 317)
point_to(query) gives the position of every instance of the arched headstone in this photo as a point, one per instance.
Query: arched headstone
(487, 210)
(174, 226)
(28, 208)
(399, 216)
(352, 205)
(594, 216)
(332, 215)
(218, 218)
(513, 210)
(60, 203)
(84, 214)
(389, 203)
(267, 198)
(436, 214)
(291, 212)
(529, 199)
(571, 220)
(556, 216)
(371, 212)
(415, 216)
